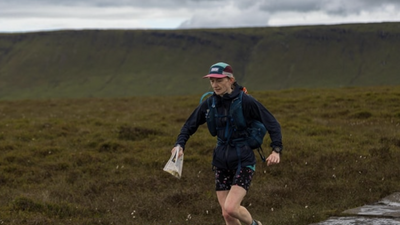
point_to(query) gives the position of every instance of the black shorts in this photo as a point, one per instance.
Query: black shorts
(224, 179)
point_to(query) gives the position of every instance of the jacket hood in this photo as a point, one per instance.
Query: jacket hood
(235, 92)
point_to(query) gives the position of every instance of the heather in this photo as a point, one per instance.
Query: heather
(100, 160)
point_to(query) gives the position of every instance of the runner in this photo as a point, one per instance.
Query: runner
(233, 159)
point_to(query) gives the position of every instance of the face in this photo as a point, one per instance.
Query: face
(221, 85)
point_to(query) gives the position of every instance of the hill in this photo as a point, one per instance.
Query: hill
(119, 63)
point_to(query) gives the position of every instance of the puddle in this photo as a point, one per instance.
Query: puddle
(384, 212)
(359, 220)
(376, 210)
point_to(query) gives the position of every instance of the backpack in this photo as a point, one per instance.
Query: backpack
(236, 121)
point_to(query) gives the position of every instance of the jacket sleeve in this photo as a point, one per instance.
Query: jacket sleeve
(254, 110)
(197, 118)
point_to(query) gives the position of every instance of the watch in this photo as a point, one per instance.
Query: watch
(277, 149)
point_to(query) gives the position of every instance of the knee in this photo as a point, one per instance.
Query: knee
(230, 211)
(228, 217)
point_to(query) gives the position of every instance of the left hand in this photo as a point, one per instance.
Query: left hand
(180, 151)
(273, 158)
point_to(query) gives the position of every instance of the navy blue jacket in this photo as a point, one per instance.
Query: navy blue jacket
(225, 156)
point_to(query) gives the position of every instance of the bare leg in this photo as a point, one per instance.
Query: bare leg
(232, 211)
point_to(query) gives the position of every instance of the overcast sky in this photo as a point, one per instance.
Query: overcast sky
(39, 15)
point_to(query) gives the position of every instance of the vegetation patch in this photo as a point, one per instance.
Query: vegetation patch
(136, 133)
(361, 115)
(99, 161)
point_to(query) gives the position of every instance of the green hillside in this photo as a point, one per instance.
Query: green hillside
(119, 63)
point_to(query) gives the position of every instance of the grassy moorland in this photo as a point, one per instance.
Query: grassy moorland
(99, 161)
(121, 63)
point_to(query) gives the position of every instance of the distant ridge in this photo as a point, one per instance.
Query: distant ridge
(122, 63)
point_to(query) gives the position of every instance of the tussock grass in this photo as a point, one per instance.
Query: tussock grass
(99, 161)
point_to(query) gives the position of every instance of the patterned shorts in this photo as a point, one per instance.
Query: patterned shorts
(224, 179)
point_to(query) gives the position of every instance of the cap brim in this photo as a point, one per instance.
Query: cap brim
(215, 75)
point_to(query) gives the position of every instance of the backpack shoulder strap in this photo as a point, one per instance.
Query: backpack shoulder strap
(236, 113)
(205, 95)
(211, 115)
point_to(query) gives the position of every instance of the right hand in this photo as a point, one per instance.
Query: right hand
(180, 151)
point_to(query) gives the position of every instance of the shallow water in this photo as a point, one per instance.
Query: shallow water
(356, 220)
(384, 212)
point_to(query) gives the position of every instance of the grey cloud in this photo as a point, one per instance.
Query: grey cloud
(199, 13)
(299, 6)
(328, 6)
(358, 6)
(257, 13)
(122, 3)
(74, 8)
(266, 5)
(98, 3)
(227, 17)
